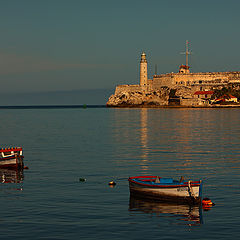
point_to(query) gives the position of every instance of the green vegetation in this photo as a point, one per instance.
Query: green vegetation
(230, 90)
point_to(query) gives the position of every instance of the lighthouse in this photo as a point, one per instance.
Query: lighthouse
(143, 70)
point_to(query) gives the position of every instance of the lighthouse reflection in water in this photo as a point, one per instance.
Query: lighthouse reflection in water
(183, 213)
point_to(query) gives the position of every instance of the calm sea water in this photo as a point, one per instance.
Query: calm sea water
(99, 144)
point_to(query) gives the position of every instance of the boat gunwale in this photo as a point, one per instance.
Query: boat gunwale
(13, 149)
(163, 185)
(10, 157)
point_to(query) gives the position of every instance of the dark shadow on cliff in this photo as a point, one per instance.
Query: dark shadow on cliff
(173, 99)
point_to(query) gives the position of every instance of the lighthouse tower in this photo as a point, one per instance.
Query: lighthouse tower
(143, 70)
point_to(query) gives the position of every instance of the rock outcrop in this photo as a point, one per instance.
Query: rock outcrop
(140, 98)
(185, 92)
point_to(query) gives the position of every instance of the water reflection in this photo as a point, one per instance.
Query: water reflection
(144, 138)
(11, 175)
(175, 142)
(184, 214)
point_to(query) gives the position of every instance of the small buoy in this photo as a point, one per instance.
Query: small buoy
(207, 202)
(82, 179)
(26, 167)
(112, 183)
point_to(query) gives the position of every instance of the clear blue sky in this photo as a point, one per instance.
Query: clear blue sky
(51, 45)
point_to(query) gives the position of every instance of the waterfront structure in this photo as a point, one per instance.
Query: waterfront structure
(201, 81)
(184, 81)
(143, 70)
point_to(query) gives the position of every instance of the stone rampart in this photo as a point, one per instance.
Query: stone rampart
(163, 80)
(127, 88)
(188, 79)
(158, 91)
(193, 102)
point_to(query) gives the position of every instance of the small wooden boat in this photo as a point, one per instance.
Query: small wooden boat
(166, 189)
(11, 157)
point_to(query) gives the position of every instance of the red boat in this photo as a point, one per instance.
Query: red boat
(11, 157)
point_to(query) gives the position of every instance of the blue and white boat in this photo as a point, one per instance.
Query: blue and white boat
(166, 189)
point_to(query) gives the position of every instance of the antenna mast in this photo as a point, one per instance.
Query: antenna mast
(187, 52)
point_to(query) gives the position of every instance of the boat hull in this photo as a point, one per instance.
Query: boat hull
(11, 157)
(11, 162)
(180, 193)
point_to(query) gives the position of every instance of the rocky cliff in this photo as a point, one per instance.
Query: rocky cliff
(136, 96)
(140, 98)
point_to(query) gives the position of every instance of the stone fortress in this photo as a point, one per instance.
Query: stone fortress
(190, 89)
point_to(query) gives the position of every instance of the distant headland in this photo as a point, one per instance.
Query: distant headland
(182, 89)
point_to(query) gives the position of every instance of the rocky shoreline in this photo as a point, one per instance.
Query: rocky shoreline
(140, 98)
(163, 98)
(175, 106)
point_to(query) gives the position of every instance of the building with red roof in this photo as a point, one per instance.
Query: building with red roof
(203, 94)
(226, 98)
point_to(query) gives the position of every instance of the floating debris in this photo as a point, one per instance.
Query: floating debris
(82, 179)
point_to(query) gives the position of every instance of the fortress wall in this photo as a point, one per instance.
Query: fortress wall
(193, 102)
(162, 80)
(127, 88)
(195, 78)
(174, 79)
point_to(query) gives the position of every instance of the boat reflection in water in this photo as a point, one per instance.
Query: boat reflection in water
(11, 175)
(184, 214)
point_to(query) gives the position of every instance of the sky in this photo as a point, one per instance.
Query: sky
(69, 45)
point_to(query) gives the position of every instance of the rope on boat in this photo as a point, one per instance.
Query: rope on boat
(190, 189)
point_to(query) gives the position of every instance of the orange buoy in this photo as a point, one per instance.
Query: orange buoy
(207, 202)
(112, 183)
